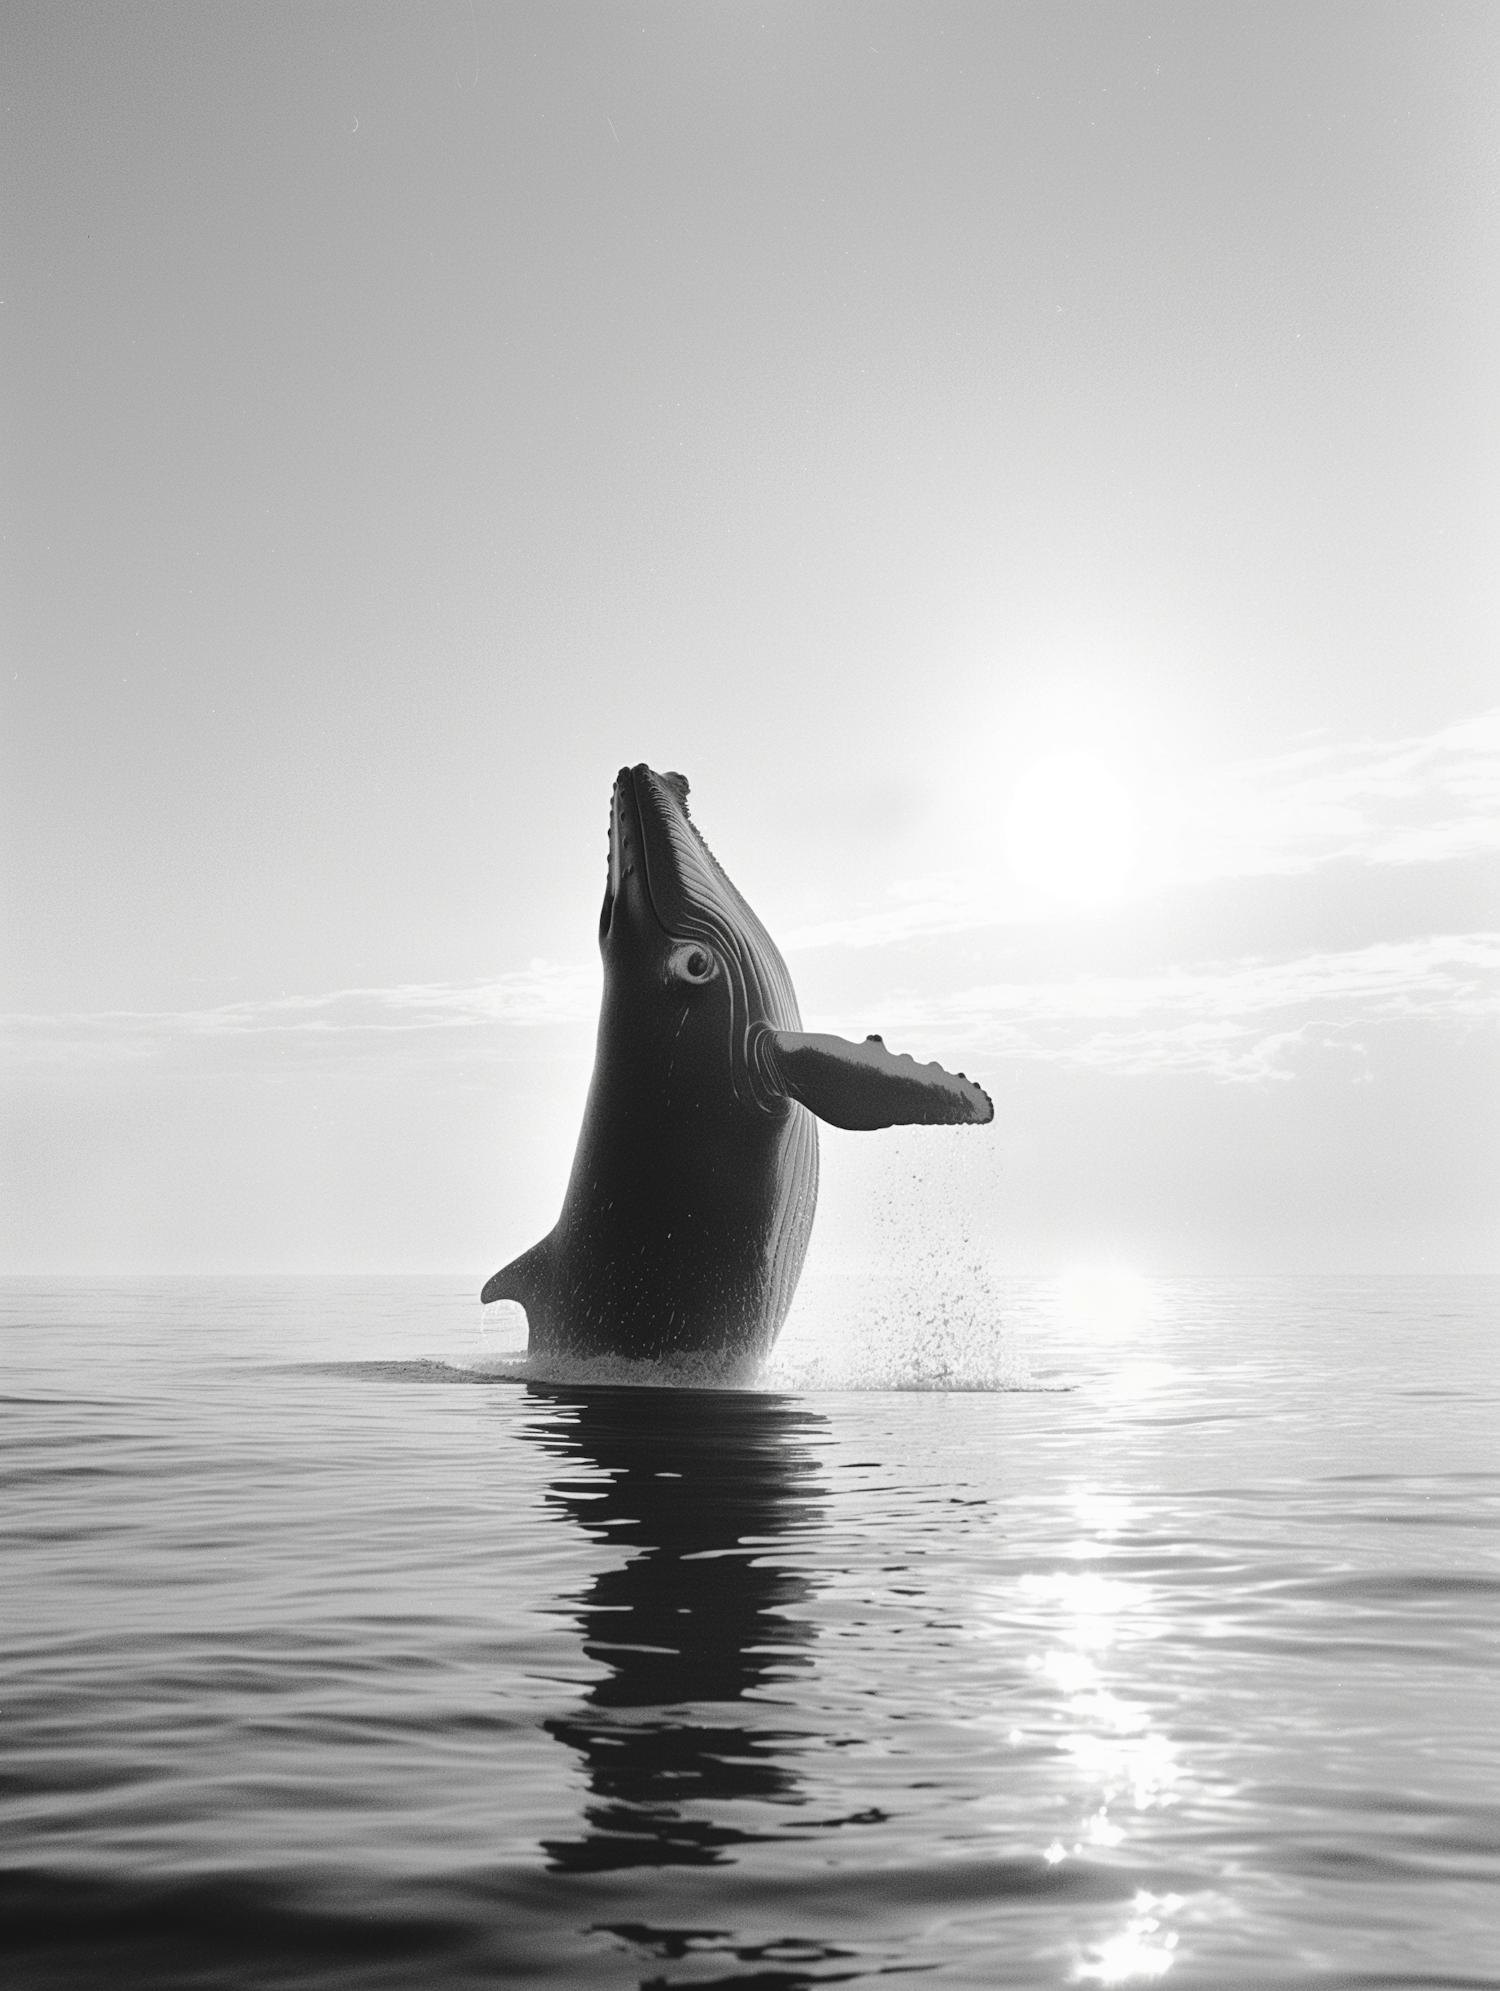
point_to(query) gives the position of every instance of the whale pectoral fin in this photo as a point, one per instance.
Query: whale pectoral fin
(863, 1086)
(527, 1279)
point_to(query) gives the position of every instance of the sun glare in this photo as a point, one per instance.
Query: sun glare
(1106, 1304)
(1070, 830)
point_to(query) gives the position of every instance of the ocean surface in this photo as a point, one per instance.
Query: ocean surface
(1013, 1634)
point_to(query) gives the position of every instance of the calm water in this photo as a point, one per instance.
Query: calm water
(332, 1654)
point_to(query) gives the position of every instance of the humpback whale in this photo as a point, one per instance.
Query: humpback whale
(691, 1198)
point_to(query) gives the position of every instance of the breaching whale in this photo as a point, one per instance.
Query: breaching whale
(690, 1203)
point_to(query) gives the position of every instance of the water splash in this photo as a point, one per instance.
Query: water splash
(847, 1332)
(868, 1331)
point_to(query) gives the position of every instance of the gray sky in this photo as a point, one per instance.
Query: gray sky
(949, 434)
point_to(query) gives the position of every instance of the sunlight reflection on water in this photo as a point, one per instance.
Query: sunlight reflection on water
(1141, 1950)
(1121, 1760)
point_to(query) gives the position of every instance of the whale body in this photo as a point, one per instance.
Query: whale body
(691, 1198)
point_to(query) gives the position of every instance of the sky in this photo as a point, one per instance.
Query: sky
(1033, 468)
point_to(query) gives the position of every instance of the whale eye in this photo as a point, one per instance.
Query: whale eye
(693, 963)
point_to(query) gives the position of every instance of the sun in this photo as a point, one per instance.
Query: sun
(1070, 830)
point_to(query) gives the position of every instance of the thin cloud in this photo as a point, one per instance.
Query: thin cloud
(1247, 1019)
(954, 902)
(1423, 800)
(1233, 1020)
(414, 1016)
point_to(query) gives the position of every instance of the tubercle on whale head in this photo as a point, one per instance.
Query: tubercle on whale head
(638, 791)
(653, 844)
(624, 848)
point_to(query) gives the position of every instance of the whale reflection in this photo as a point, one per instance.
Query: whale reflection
(697, 1625)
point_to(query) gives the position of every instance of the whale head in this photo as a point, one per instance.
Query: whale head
(685, 957)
